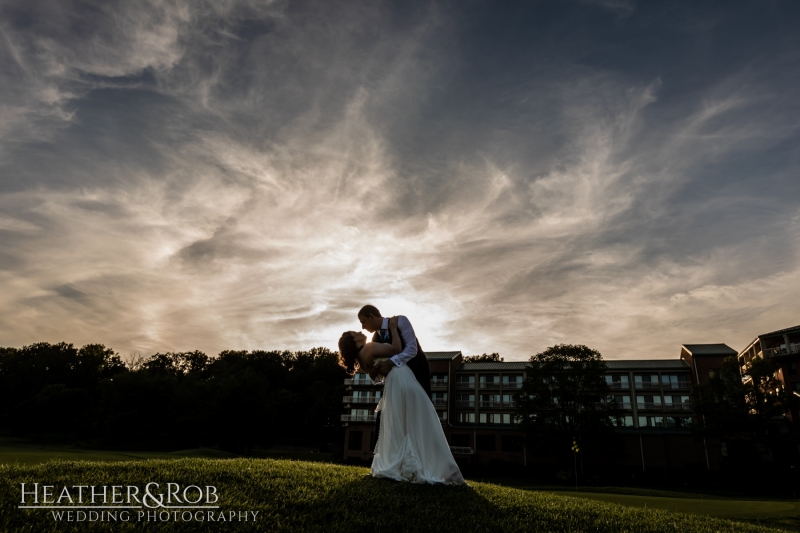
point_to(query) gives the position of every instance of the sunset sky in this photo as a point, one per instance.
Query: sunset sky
(180, 175)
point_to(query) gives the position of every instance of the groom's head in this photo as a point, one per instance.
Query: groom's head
(370, 318)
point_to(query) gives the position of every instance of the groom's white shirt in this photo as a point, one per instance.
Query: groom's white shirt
(409, 339)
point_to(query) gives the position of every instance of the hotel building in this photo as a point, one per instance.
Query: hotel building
(476, 407)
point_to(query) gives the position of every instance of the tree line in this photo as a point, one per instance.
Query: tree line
(174, 400)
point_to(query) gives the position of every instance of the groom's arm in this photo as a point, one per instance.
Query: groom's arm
(409, 340)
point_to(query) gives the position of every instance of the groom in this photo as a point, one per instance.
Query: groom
(411, 354)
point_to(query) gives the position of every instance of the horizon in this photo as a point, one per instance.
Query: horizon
(179, 176)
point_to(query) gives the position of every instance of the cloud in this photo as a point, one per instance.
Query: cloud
(238, 175)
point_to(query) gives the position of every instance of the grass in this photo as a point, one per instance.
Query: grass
(14, 450)
(303, 496)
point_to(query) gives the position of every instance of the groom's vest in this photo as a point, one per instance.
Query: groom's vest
(418, 364)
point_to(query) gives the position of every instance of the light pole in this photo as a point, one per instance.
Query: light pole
(575, 451)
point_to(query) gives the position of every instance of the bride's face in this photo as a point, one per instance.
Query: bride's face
(360, 338)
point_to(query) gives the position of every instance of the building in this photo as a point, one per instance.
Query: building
(782, 347)
(705, 360)
(475, 404)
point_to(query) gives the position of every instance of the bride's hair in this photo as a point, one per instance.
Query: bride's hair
(348, 353)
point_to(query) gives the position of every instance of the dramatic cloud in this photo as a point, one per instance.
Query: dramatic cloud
(242, 175)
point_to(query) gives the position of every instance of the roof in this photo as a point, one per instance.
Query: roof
(647, 364)
(781, 331)
(474, 367)
(439, 356)
(709, 349)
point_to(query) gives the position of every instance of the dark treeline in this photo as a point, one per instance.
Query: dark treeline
(236, 401)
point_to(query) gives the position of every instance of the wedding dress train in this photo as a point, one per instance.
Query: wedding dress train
(411, 443)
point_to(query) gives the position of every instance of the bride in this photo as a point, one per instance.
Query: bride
(411, 443)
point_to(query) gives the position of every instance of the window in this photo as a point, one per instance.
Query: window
(624, 422)
(442, 416)
(490, 400)
(361, 379)
(354, 441)
(617, 381)
(460, 439)
(512, 381)
(623, 402)
(366, 396)
(679, 422)
(508, 400)
(465, 400)
(489, 380)
(486, 443)
(677, 402)
(511, 443)
(648, 401)
(651, 421)
(438, 378)
(491, 418)
(359, 415)
(712, 372)
(439, 398)
(465, 381)
(675, 381)
(646, 381)
(506, 418)
(466, 418)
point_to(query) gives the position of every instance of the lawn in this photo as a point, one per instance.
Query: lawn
(304, 496)
(20, 451)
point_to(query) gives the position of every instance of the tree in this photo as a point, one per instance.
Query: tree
(562, 398)
(748, 409)
(563, 390)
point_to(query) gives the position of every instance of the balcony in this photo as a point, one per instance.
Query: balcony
(783, 349)
(360, 399)
(439, 402)
(465, 385)
(438, 384)
(649, 407)
(678, 406)
(461, 450)
(358, 381)
(464, 403)
(489, 384)
(496, 404)
(619, 385)
(512, 384)
(678, 385)
(648, 385)
(358, 418)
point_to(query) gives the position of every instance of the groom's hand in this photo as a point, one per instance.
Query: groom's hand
(373, 373)
(384, 367)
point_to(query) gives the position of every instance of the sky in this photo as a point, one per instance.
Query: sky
(210, 175)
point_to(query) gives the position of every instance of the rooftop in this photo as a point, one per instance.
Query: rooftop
(781, 331)
(441, 356)
(709, 349)
(474, 367)
(647, 364)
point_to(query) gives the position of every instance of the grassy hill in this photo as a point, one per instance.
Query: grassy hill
(304, 496)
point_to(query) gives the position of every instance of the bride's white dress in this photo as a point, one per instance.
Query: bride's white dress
(411, 443)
